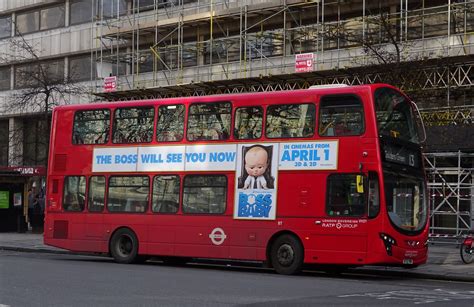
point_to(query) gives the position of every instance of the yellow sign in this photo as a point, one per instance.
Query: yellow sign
(360, 184)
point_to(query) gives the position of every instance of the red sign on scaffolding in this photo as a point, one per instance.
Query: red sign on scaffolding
(304, 62)
(110, 84)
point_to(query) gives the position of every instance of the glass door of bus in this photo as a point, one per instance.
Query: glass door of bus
(343, 232)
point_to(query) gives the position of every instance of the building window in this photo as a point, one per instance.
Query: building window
(128, 193)
(170, 125)
(5, 73)
(144, 61)
(5, 26)
(26, 76)
(43, 19)
(166, 194)
(53, 70)
(109, 64)
(35, 141)
(81, 11)
(147, 4)
(4, 142)
(346, 195)
(205, 194)
(96, 199)
(53, 17)
(209, 121)
(30, 75)
(113, 8)
(341, 115)
(74, 193)
(28, 22)
(248, 123)
(133, 125)
(91, 127)
(82, 68)
(290, 121)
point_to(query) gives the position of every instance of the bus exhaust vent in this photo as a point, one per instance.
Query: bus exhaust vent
(60, 229)
(60, 161)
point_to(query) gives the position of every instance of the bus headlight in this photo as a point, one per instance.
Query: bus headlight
(388, 241)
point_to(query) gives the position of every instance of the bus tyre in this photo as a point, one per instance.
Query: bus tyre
(124, 246)
(286, 255)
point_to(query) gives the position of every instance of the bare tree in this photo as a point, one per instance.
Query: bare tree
(385, 52)
(39, 86)
(389, 55)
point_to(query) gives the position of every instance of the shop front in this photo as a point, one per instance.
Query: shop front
(22, 198)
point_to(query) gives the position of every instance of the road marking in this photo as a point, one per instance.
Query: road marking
(418, 296)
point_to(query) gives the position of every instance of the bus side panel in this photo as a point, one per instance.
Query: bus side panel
(162, 234)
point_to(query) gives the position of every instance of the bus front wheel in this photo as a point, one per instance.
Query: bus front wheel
(124, 246)
(286, 255)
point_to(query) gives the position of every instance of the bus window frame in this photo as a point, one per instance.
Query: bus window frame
(363, 116)
(373, 177)
(63, 198)
(157, 120)
(262, 126)
(147, 206)
(88, 191)
(365, 195)
(180, 195)
(108, 131)
(226, 202)
(113, 125)
(315, 105)
(188, 116)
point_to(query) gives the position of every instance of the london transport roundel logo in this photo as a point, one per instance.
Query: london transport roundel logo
(217, 236)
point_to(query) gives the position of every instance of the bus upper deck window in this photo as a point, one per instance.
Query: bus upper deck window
(341, 115)
(209, 121)
(170, 125)
(248, 123)
(290, 121)
(133, 125)
(91, 127)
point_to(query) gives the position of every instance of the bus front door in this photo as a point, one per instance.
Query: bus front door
(341, 240)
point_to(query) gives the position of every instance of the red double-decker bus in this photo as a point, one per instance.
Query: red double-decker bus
(330, 175)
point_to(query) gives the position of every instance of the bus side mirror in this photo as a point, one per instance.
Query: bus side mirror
(360, 183)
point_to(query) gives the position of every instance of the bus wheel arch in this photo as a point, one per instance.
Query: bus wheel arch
(123, 245)
(285, 252)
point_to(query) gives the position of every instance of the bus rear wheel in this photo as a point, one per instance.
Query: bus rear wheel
(124, 246)
(286, 255)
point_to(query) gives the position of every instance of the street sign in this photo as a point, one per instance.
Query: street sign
(110, 84)
(304, 62)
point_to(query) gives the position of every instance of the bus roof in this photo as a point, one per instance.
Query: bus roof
(327, 90)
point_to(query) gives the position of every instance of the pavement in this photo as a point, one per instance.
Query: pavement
(444, 261)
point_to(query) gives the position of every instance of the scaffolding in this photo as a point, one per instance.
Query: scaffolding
(451, 193)
(192, 47)
(172, 48)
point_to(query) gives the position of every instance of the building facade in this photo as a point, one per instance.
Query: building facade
(137, 49)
